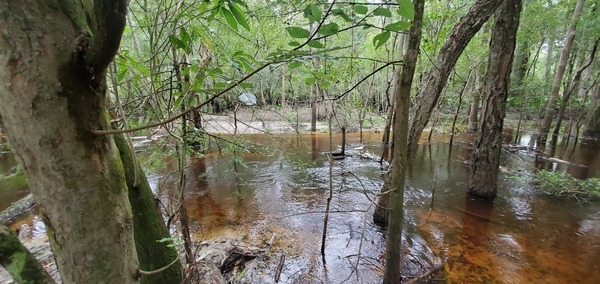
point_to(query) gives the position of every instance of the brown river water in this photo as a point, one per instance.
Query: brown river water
(520, 237)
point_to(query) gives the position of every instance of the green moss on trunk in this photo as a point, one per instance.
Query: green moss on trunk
(18, 261)
(148, 224)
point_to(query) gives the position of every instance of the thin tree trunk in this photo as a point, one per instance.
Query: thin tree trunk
(560, 71)
(52, 96)
(393, 254)
(460, 96)
(283, 91)
(435, 80)
(592, 123)
(485, 162)
(313, 107)
(474, 109)
(574, 85)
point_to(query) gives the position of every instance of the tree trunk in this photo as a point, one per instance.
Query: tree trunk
(435, 80)
(486, 157)
(560, 71)
(22, 266)
(148, 224)
(393, 254)
(521, 64)
(283, 103)
(53, 59)
(574, 85)
(313, 107)
(592, 123)
(474, 109)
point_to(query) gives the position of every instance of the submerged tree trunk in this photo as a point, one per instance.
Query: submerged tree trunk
(22, 266)
(560, 71)
(486, 157)
(53, 60)
(435, 80)
(148, 224)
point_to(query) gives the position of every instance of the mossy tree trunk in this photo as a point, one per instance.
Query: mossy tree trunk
(18, 261)
(488, 144)
(148, 224)
(53, 60)
(400, 162)
(435, 80)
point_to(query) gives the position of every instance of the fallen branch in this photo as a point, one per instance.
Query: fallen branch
(424, 275)
(279, 267)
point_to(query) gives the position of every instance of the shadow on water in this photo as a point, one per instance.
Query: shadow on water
(281, 189)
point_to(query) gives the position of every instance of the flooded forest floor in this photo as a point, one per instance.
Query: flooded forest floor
(270, 205)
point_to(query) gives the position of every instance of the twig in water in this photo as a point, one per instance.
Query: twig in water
(279, 267)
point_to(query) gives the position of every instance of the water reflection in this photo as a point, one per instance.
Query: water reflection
(521, 237)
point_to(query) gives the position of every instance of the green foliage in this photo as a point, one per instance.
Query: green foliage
(174, 241)
(564, 185)
(297, 32)
(381, 38)
(406, 9)
(312, 13)
(14, 177)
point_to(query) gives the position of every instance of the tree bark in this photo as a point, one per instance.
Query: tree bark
(435, 80)
(574, 85)
(22, 266)
(560, 71)
(148, 224)
(474, 108)
(486, 157)
(393, 254)
(592, 123)
(53, 59)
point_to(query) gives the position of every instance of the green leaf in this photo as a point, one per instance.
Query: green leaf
(381, 38)
(342, 14)
(121, 74)
(294, 64)
(329, 29)
(398, 26)
(382, 12)
(315, 44)
(293, 43)
(246, 85)
(185, 38)
(360, 9)
(310, 80)
(192, 101)
(178, 102)
(239, 16)
(312, 13)
(324, 84)
(406, 9)
(297, 32)
(176, 42)
(229, 18)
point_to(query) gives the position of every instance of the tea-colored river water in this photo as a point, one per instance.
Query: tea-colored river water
(520, 237)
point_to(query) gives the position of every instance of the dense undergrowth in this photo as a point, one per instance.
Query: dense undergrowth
(564, 185)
